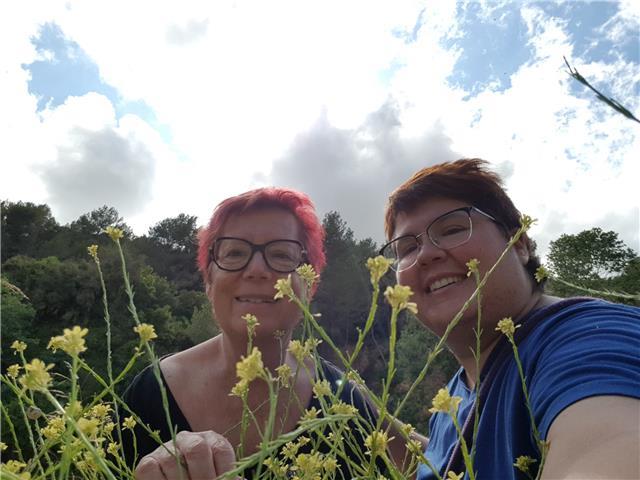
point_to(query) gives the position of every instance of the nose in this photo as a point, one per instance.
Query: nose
(257, 267)
(428, 252)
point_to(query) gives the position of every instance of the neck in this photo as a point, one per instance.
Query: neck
(273, 351)
(465, 353)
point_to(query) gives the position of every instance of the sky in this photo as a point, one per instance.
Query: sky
(162, 108)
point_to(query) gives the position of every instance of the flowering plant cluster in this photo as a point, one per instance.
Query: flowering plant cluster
(74, 437)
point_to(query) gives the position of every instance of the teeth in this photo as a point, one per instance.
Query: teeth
(254, 300)
(443, 282)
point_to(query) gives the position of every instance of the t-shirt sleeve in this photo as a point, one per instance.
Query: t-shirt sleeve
(591, 349)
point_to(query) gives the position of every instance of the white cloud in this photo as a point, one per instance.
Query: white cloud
(324, 97)
(97, 160)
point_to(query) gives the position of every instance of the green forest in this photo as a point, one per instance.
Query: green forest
(49, 282)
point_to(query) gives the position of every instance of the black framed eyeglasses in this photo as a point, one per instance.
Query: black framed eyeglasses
(448, 231)
(234, 254)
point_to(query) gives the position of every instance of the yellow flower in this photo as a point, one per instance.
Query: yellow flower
(297, 350)
(415, 447)
(89, 426)
(37, 375)
(73, 409)
(13, 370)
(54, 429)
(283, 288)
(524, 462)
(129, 423)
(321, 388)
(526, 221)
(290, 449)
(13, 466)
(310, 414)
(377, 443)
(301, 351)
(309, 465)
(278, 468)
(113, 448)
(541, 274)
(114, 233)
(3, 446)
(507, 327)
(444, 402)
(284, 374)
(100, 410)
(308, 274)
(71, 341)
(108, 427)
(250, 368)
(19, 346)
(407, 429)
(146, 332)
(454, 476)
(252, 323)
(378, 266)
(330, 464)
(240, 388)
(341, 408)
(93, 251)
(472, 265)
(398, 297)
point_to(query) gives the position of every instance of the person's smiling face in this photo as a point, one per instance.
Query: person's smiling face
(251, 290)
(439, 278)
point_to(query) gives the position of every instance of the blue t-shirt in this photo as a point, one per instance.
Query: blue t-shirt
(580, 350)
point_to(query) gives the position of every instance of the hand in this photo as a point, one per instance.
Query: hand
(202, 456)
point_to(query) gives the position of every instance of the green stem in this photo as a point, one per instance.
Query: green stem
(464, 448)
(367, 327)
(12, 430)
(542, 445)
(477, 353)
(154, 359)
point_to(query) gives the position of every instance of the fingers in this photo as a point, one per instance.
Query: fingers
(203, 456)
(148, 468)
(222, 453)
(196, 453)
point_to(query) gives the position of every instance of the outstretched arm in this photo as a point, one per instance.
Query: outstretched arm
(595, 438)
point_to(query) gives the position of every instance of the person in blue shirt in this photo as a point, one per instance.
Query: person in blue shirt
(580, 356)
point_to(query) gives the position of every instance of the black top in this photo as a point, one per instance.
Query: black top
(143, 397)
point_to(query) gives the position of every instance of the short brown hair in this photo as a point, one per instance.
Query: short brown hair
(467, 179)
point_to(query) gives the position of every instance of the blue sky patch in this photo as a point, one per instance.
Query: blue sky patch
(493, 48)
(64, 70)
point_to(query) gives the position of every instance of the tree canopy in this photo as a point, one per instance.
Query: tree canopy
(588, 255)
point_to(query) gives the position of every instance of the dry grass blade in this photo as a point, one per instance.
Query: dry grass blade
(608, 100)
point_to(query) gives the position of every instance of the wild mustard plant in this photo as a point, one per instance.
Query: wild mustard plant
(83, 439)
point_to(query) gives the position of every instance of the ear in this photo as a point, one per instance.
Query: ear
(522, 249)
(208, 284)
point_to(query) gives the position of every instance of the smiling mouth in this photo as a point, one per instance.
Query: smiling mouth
(444, 282)
(255, 300)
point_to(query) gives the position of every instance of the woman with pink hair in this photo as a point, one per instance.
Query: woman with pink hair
(252, 241)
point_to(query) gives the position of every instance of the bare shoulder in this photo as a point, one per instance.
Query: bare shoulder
(598, 437)
(182, 366)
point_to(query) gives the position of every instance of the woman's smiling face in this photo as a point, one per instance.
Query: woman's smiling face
(439, 278)
(251, 290)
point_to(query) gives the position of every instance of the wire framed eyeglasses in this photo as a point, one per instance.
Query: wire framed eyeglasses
(448, 231)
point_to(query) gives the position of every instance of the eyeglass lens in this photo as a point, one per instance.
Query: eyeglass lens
(280, 255)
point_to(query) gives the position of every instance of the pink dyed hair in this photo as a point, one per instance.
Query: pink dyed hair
(298, 203)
